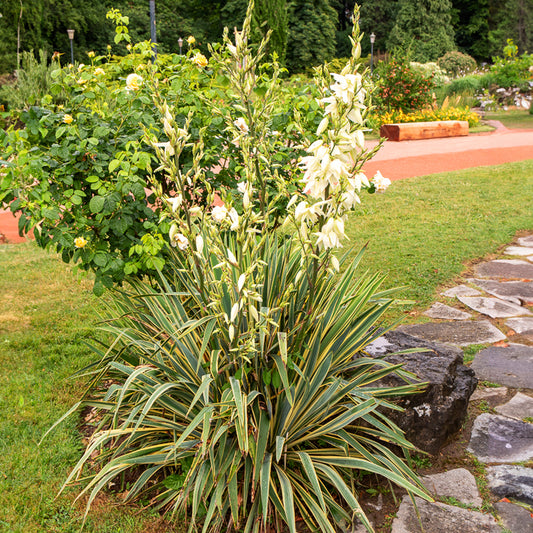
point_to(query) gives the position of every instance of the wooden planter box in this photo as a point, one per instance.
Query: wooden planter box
(424, 130)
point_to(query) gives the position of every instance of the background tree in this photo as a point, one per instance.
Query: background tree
(470, 19)
(425, 27)
(312, 27)
(511, 19)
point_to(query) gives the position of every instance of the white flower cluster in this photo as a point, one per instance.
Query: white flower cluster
(331, 181)
(222, 214)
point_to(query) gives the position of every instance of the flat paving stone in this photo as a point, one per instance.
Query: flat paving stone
(459, 333)
(526, 241)
(519, 250)
(498, 439)
(441, 518)
(458, 483)
(520, 406)
(522, 326)
(515, 291)
(493, 307)
(461, 290)
(505, 268)
(445, 312)
(511, 481)
(514, 517)
(510, 365)
(489, 393)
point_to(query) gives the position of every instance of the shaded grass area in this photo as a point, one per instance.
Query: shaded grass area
(513, 118)
(46, 316)
(421, 232)
(424, 230)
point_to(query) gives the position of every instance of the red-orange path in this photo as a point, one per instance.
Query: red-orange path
(406, 159)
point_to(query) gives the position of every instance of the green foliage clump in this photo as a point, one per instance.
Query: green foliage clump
(512, 70)
(469, 85)
(402, 87)
(431, 69)
(456, 63)
(32, 83)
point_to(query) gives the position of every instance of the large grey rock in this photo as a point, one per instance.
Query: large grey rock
(458, 483)
(518, 250)
(505, 268)
(433, 416)
(522, 326)
(498, 439)
(515, 291)
(441, 518)
(461, 290)
(514, 517)
(445, 312)
(526, 241)
(511, 481)
(493, 307)
(520, 406)
(511, 365)
(460, 333)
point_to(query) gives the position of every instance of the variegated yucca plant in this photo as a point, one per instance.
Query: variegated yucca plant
(236, 391)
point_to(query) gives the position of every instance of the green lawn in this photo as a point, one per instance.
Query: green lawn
(422, 232)
(513, 119)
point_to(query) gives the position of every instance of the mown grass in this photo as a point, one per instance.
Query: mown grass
(421, 232)
(513, 118)
(46, 316)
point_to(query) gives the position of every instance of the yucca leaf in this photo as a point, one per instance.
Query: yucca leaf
(346, 493)
(361, 464)
(203, 389)
(265, 483)
(288, 498)
(310, 472)
(241, 426)
(233, 498)
(282, 369)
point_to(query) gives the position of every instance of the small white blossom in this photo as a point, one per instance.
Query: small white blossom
(199, 244)
(380, 183)
(331, 234)
(240, 123)
(219, 213)
(175, 202)
(178, 239)
(234, 217)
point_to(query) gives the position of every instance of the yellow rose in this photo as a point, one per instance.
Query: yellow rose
(200, 60)
(67, 119)
(80, 242)
(99, 72)
(133, 82)
(91, 54)
(191, 40)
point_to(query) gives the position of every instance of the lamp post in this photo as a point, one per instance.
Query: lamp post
(71, 38)
(372, 41)
(153, 35)
(180, 43)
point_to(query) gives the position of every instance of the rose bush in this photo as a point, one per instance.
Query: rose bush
(402, 87)
(82, 169)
